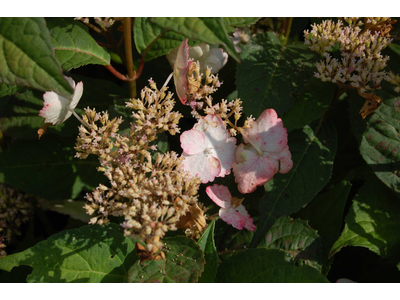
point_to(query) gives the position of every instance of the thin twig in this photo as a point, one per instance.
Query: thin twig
(129, 57)
(116, 73)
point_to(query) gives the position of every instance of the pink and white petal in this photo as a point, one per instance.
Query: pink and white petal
(249, 220)
(181, 68)
(180, 82)
(214, 130)
(285, 160)
(206, 167)
(226, 155)
(220, 195)
(251, 170)
(54, 110)
(77, 95)
(232, 217)
(70, 81)
(273, 134)
(192, 141)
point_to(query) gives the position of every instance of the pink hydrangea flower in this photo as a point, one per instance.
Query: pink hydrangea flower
(265, 153)
(232, 211)
(56, 109)
(208, 149)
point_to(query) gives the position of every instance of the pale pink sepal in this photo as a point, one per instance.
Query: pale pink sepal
(266, 152)
(181, 68)
(238, 217)
(208, 149)
(55, 107)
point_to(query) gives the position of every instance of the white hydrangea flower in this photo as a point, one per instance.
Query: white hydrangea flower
(214, 58)
(56, 109)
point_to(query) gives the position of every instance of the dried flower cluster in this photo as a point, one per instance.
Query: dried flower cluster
(152, 196)
(394, 79)
(104, 23)
(15, 209)
(362, 64)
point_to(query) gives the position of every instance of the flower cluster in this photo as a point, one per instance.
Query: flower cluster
(15, 209)
(152, 196)
(190, 81)
(104, 23)
(362, 64)
(210, 151)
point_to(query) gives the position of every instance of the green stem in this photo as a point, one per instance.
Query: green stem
(79, 118)
(129, 57)
(287, 31)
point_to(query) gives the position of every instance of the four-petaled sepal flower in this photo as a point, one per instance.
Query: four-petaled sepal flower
(56, 109)
(208, 149)
(265, 153)
(231, 211)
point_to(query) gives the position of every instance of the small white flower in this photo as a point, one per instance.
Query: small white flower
(215, 58)
(56, 109)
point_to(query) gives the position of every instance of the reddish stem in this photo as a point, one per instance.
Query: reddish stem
(116, 73)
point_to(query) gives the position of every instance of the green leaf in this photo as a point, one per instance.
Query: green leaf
(91, 253)
(240, 21)
(264, 266)
(6, 90)
(270, 74)
(310, 104)
(379, 138)
(295, 237)
(207, 245)
(232, 22)
(207, 30)
(312, 157)
(373, 221)
(73, 45)
(27, 57)
(47, 168)
(289, 234)
(145, 32)
(325, 212)
(184, 263)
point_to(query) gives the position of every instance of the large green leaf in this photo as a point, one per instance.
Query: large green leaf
(27, 57)
(325, 212)
(379, 137)
(47, 168)
(312, 157)
(91, 253)
(207, 245)
(295, 237)
(309, 105)
(232, 22)
(145, 32)
(207, 30)
(264, 265)
(7, 90)
(240, 21)
(373, 221)
(184, 263)
(270, 74)
(73, 45)
(289, 234)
